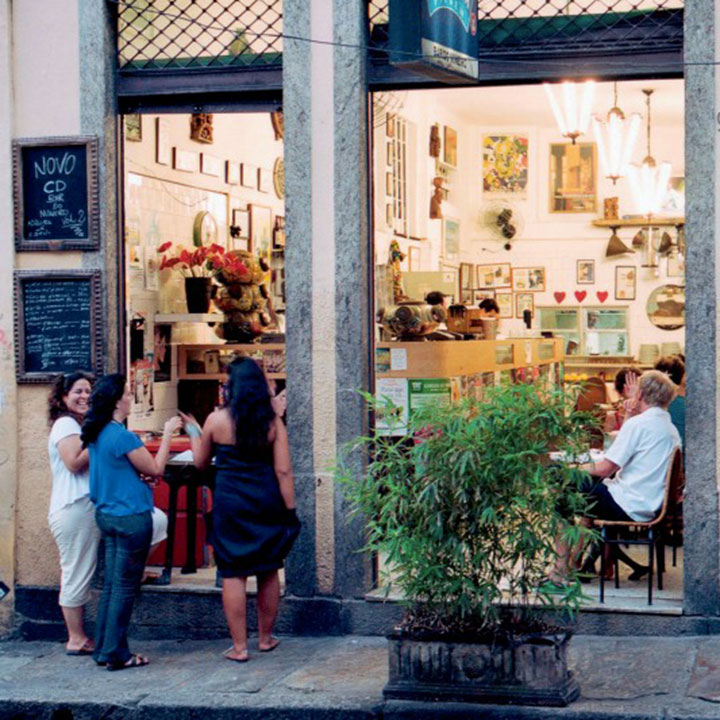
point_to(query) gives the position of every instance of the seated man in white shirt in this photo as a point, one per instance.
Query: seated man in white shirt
(629, 482)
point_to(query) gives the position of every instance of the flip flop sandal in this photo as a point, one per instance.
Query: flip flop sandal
(236, 659)
(135, 661)
(274, 642)
(84, 650)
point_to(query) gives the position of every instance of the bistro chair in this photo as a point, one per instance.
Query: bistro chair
(591, 399)
(655, 540)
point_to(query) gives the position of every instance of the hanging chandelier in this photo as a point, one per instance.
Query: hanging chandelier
(573, 117)
(616, 137)
(649, 182)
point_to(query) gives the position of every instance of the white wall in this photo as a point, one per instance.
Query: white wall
(552, 240)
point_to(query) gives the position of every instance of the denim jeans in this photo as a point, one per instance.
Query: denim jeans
(127, 543)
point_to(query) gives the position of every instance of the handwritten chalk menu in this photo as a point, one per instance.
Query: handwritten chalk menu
(57, 323)
(56, 201)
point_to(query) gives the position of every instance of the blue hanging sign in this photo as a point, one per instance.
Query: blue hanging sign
(440, 41)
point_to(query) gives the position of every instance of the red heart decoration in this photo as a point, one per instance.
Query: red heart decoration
(602, 295)
(580, 295)
(559, 296)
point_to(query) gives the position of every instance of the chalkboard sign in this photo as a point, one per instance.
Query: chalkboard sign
(57, 323)
(56, 193)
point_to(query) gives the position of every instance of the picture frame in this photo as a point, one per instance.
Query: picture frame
(505, 304)
(163, 151)
(201, 128)
(500, 152)
(528, 279)
(625, 282)
(450, 151)
(185, 160)
(264, 180)
(573, 178)
(451, 238)
(466, 296)
(467, 276)
(524, 301)
(585, 273)
(240, 239)
(261, 230)
(389, 125)
(133, 127)
(248, 175)
(675, 265)
(497, 275)
(211, 165)
(480, 295)
(232, 173)
(451, 274)
(279, 232)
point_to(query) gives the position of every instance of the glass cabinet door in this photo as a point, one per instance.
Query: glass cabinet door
(605, 331)
(559, 319)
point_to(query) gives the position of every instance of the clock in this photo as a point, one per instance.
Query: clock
(205, 229)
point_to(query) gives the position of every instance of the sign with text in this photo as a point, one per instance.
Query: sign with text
(57, 323)
(56, 193)
(440, 41)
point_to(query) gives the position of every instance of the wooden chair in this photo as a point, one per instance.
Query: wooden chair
(674, 480)
(592, 396)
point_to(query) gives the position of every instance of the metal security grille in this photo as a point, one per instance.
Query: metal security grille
(547, 27)
(155, 34)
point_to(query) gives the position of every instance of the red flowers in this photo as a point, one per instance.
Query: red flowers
(200, 262)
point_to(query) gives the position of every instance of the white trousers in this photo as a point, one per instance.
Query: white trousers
(77, 537)
(160, 523)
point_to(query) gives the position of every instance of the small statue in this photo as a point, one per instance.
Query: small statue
(435, 141)
(436, 199)
(396, 257)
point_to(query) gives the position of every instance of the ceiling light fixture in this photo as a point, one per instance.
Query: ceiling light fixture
(616, 137)
(574, 117)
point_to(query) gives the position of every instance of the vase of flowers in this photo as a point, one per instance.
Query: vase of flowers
(199, 266)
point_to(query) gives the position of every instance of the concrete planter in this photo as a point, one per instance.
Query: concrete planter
(527, 670)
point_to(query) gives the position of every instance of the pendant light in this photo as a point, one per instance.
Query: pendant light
(616, 137)
(574, 117)
(649, 182)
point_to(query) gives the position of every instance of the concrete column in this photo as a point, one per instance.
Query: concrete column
(8, 389)
(702, 519)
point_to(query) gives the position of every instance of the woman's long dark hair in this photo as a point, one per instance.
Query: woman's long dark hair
(104, 398)
(247, 397)
(62, 385)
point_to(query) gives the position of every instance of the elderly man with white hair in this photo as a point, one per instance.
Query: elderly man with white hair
(629, 482)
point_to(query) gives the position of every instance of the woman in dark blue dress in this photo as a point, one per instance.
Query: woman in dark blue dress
(254, 519)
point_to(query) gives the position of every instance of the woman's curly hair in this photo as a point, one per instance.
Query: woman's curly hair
(62, 385)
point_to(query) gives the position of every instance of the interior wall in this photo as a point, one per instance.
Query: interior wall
(555, 241)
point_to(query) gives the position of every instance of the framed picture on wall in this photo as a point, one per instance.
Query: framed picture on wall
(232, 173)
(261, 230)
(480, 295)
(248, 175)
(505, 165)
(450, 147)
(211, 165)
(505, 303)
(240, 231)
(451, 238)
(573, 178)
(494, 276)
(163, 151)
(185, 160)
(467, 276)
(524, 301)
(585, 272)
(625, 282)
(133, 127)
(528, 279)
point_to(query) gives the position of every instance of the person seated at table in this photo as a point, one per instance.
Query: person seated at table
(254, 518)
(629, 482)
(674, 368)
(626, 386)
(490, 308)
(435, 297)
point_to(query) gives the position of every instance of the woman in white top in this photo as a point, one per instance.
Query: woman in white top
(72, 515)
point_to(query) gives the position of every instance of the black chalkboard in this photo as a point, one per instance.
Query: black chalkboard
(57, 326)
(56, 193)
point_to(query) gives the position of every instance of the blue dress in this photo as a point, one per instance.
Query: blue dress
(252, 531)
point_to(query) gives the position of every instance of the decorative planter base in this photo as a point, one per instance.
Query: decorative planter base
(528, 671)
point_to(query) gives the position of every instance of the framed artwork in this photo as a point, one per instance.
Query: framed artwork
(625, 282)
(240, 232)
(279, 232)
(451, 276)
(573, 178)
(505, 303)
(585, 272)
(201, 128)
(466, 297)
(675, 265)
(163, 151)
(232, 173)
(261, 230)
(133, 127)
(264, 180)
(528, 279)
(467, 276)
(413, 259)
(505, 164)
(494, 276)
(450, 147)
(211, 165)
(480, 295)
(185, 160)
(248, 175)
(390, 125)
(524, 301)
(451, 238)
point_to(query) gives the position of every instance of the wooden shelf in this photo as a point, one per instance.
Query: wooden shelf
(640, 222)
(223, 376)
(190, 318)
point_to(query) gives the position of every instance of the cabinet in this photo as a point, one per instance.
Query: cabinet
(588, 330)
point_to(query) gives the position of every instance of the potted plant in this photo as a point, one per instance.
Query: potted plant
(467, 505)
(199, 266)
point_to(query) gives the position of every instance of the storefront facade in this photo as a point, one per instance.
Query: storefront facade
(329, 280)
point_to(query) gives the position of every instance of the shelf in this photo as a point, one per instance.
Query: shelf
(190, 318)
(223, 376)
(640, 222)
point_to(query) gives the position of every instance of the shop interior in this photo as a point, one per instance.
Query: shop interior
(211, 187)
(492, 193)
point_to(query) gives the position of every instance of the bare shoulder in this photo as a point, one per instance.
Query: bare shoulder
(219, 423)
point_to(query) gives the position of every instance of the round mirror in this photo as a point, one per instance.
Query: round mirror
(666, 307)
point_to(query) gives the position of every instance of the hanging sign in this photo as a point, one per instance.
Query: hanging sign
(440, 41)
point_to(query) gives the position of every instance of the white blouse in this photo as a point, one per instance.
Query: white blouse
(67, 487)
